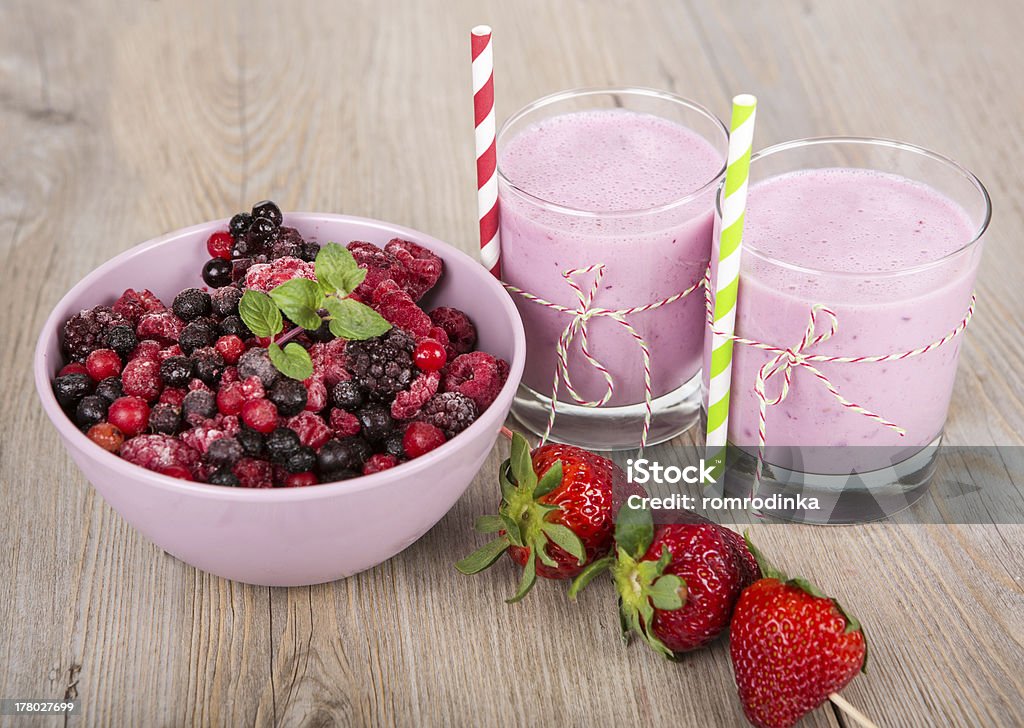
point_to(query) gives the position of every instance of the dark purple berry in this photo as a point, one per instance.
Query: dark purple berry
(224, 301)
(376, 422)
(256, 363)
(224, 452)
(382, 366)
(70, 389)
(239, 224)
(393, 444)
(302, 460)
(251, 442)
(110, 389)
(348, 395)
(197, 335)
(222, 477)
(289, 395)
(90, 410)
(263, 232)
(87, 330)
(336, 476)
(190, 304)
(269, 211)
(198, 405)
(217, 272)
(234, 326)
(208, 365)
(450, 412)
(122, 340)
(176, 371)
(282, 443)
(164, 418)
(347, 454)
(309, 251)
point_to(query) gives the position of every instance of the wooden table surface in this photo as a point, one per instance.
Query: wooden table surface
(123, 120)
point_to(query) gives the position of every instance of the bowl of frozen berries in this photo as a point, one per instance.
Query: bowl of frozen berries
(282, 399)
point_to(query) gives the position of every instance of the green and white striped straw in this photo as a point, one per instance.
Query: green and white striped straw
(726, 282)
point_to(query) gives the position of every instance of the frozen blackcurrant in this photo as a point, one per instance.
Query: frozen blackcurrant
(269, 211)
(240, 224)
(217, 272)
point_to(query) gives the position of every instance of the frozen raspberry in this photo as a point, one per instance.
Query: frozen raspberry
(106, 436)
(344, 424)
(230, 375)
(451, 412)
(300, 480)
(329, 361)
(141, 378)
(382, 366)
(168, 351)
(461, 331)
(203, 434)
(133, 305)
(395, 305)
(147, 349)
(420, 438)
(379, 462)
(230, 347)
(380, 266)
(173, 395)
(253, 473)
(407, 404)
(164, 327)
(503, 369)
(441, 337)
(289, 244)
(219, 245)
(477, 376)
(312, 430)
(256, 363)
(260, 415)
(423, 266)
(87, 330)
(157, 452)
(429, 355)
(165, 419)
(75, 367)
(316, 394)
(230, 398)
(103, 363)
(253, 388)
(176, 471)
(267, 276)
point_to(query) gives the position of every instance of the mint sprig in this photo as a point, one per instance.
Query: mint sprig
(302, 301)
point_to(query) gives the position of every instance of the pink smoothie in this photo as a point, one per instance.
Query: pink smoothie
(871, 232)
(601, 163)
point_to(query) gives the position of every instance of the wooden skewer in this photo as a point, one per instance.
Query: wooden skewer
(844, 705)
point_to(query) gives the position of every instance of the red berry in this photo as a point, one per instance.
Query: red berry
(230, 347)
(147, 349)
(253, 473)
(219, 245)
(299, 480)
(141, 378)
(230, 398)
(378, 462)
(344, 424)
(430, 356)
(173, 396)
(75, 367)
(311, 429)
(176, 471)
(129, 414)
(420, 438)
(476, 375)
(106, 436)
(103, 363)
(260, 415)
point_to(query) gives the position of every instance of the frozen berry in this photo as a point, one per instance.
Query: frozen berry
(461, 331)
(230, 347)
(311, 429)
(289, 395)
(407, 404)
(129, 414)
(309, 251)
(267, 276)
(344, 424)
(198, 405)
(173, 395)
(263, 232)
(165, 418)
(316, 394)
(421, 438)
(190, 304)
(217, 272)
(75, 367)
(159, 453)
(338, 455)
(122, 339)
(382, 366)
(450, 412)
(378, 462)
(106, 436)
(197, 335)
(379, 265)
(240, 224)
(281, 443)
(176, 371)
(429, 355)
(423, 266)
(336, 476)
(224, 452)
(234, 326)
(347, 395)
(230, 398)
(252, 473)
(175, 471)
(162, 326)
(477, 376)
(222, 477)
(110, 389)
(397, 306)
(260, 415)
(393, 444)
(289, 244)
(268, 210)
(91, 410)
(251, 442)
(301, 461)
(300, 480)
(70, 389)
(219, 245)
(224, 301)
(133, 305)
(256, 363)
(375, 422)
(141, 378)
(208, 365)
(87, 331)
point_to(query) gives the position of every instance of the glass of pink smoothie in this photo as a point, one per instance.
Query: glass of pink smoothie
(623, 178)
(887, 236)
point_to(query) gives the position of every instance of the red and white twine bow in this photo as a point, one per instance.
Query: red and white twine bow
(786, 360)
(580, 317)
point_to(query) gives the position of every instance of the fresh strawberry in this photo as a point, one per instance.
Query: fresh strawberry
(791, 647)
(677, 582)
(556, 514)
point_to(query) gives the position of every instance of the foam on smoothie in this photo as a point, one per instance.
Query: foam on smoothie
(609, 160)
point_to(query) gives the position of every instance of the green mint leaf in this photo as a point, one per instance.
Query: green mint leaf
(336, 269)
(292, 361)
(260, 313)
(300, 300)
(634, 530)
(353, 320)
(483, 557)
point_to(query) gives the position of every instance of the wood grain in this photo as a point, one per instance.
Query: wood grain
(124, 120)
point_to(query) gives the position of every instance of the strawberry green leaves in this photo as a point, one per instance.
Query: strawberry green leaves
(302, 301)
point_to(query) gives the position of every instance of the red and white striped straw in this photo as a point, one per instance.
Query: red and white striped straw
(486, 151)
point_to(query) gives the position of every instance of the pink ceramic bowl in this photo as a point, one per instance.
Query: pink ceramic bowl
(288, 536)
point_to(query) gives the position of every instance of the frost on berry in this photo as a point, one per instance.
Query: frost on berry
(345, 424)
(424, 268)
(460, 330)
(141, 378)
(133, 305)
(380, 266)
(329, 361)
(253, 473)
(407, 404)
(316, 394)
(394, 304)
(159, 452)
(164, 327)
(476, 375)
(86, 331)
(311, 429)
(200, 436)
(266, 276)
